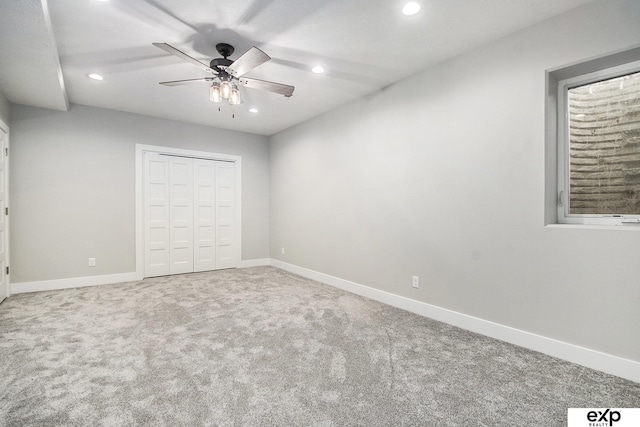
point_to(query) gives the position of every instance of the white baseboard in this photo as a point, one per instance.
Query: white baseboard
(78, 282)
(75, 282)
(593, 359)
(254, 262)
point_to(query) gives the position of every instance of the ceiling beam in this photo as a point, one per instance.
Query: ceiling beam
(56, 55)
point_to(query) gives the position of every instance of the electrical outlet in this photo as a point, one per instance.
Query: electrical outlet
(415, 282)
(282, 250)
(92, 262)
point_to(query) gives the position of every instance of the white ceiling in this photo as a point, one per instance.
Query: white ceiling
(364, 45)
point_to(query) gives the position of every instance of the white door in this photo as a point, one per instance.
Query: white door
(4, 232)
(181, 214)
(225, 215)
(204, 256)
(189, 215)
(156, 213)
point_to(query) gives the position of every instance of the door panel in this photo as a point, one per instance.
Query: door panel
(204, 215)
(225, 215)
(181, 215)
(156, 206)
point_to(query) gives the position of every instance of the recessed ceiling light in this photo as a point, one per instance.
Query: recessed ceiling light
(318, 69)
(95, 76)
(253, 110)
(411, 8)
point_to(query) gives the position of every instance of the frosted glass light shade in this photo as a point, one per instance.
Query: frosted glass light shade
(225, 89)
(234, 97)
(215, 95)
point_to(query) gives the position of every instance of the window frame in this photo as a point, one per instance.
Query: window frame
(563, 153)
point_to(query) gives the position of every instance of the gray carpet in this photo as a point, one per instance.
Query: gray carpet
(263, 347)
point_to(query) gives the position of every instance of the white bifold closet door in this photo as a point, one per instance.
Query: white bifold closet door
(225, 213)
(189, 215)
(180, 215)
(204, 215)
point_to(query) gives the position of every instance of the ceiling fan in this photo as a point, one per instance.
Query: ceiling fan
(228, 74)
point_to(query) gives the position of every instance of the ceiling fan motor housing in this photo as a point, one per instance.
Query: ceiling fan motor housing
(220, 62)
(225, 49)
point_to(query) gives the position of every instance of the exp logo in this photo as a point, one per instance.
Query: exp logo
(607, 416)
(603, 417)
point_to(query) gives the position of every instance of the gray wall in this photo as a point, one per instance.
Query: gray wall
(72, 187)
(4, 109)
(442, 176)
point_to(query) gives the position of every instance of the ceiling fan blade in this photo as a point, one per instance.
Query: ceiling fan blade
(278, 88)
(247, 62)
(180, 54)
(183, 82)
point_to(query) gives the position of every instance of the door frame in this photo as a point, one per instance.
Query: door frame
(141, 149)
(5, 128)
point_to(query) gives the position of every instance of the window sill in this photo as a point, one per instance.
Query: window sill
(621, 227)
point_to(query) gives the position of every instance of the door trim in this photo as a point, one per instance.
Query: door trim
(139, 202)
(5, 128)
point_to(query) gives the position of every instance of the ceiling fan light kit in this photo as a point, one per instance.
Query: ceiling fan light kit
(228, 74)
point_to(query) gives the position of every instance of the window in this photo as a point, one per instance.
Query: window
(599, 147)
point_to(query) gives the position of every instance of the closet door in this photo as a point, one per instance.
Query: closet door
(181, 214)
(190, 210)
(156, 214)
(204, 215)
(225, 215)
